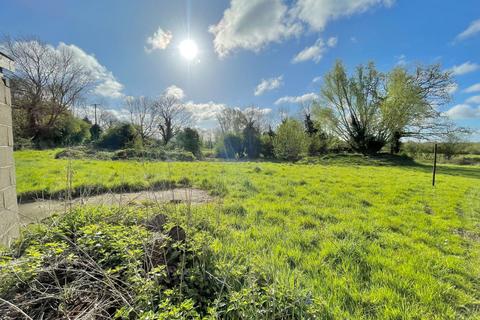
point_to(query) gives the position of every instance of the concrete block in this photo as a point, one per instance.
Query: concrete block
(5, 115)
(8, 226)
(6, 156)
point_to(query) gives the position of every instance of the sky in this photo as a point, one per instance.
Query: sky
(271, 54)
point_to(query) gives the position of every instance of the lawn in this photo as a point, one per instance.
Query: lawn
(363, 239)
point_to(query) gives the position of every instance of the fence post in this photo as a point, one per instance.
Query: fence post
(434, 164)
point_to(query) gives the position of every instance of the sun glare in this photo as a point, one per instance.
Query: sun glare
(188, 49)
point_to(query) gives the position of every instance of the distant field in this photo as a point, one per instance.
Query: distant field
(365, 239)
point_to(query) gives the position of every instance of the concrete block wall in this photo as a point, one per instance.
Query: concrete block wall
(9, 218)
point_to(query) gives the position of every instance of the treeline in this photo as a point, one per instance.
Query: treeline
(366, 111)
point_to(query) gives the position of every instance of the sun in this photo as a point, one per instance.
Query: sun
(188, 49)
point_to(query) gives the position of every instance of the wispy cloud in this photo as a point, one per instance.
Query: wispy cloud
(473, 88)
(463, 111)
(268, 85)
(308, 97)
(464, 68)
(472, 30)
(159, 40)
(315, 52)
(473, 100)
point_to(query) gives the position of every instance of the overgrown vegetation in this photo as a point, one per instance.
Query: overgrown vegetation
(132, 263)
(333, 237)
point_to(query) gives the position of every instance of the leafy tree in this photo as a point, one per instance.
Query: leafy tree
(251, 141)
(230, 147)
(370, 109)
(120, 136)
(266, 141)
(95, 132)
(290, 142)
(451, 146)
(189, 139)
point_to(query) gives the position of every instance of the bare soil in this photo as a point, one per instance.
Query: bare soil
(36, 211)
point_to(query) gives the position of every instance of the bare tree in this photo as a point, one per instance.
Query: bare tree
(47, 81)
(172, 116)
(144, 114)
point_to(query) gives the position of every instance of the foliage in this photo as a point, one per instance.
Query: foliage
(95, 132)
(266, 140)
(290, 141)
(189, 140)
(370, 108)
(230, 147)
(251, 141)
(67, 131)
(120, 136)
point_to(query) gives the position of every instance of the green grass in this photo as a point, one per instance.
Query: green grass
(365, 239)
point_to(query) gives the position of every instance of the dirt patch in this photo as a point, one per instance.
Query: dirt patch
(40, 209)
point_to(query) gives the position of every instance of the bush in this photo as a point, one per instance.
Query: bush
(189, 139)
(290, 142)
(267, 149)
(136, 263)
(153, 154)
(68, 131)
(230, 147)
(120, 136)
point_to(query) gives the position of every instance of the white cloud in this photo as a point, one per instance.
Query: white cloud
(473, 100)
(464, 68)
(463, 111)
(174, 91)
(159, 40)
(268, 85)
(453, 88)
(252, 24)
(473, 88)
(332, 42)
(204, 111)
(107, 84)
(317, 79)
(308, 97)
(316, 51)
(472, 30)
(317, 13)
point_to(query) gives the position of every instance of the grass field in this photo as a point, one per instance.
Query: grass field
(362, 239)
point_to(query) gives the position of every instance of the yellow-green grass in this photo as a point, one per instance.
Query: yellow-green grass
(366, 241)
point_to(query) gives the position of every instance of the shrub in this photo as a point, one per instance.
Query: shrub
(290, 142)
(230, 147)
(189, 139)
(120, 136)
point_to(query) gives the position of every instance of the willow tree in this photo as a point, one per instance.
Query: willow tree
(370, 109)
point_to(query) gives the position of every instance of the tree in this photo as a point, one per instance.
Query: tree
(120, 136)
(47, 83)
(189, 139)
(370, 109)
(290, 141)
(95, 132)
(144, 115)
(172, 116)
(230, 147)
(451, 146)
(251, 141)
(266, 141)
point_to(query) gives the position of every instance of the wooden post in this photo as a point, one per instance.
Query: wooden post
(434, 164)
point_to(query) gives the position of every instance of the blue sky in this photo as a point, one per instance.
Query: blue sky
(242, 42)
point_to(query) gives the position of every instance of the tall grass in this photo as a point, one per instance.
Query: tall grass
(360, 240)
